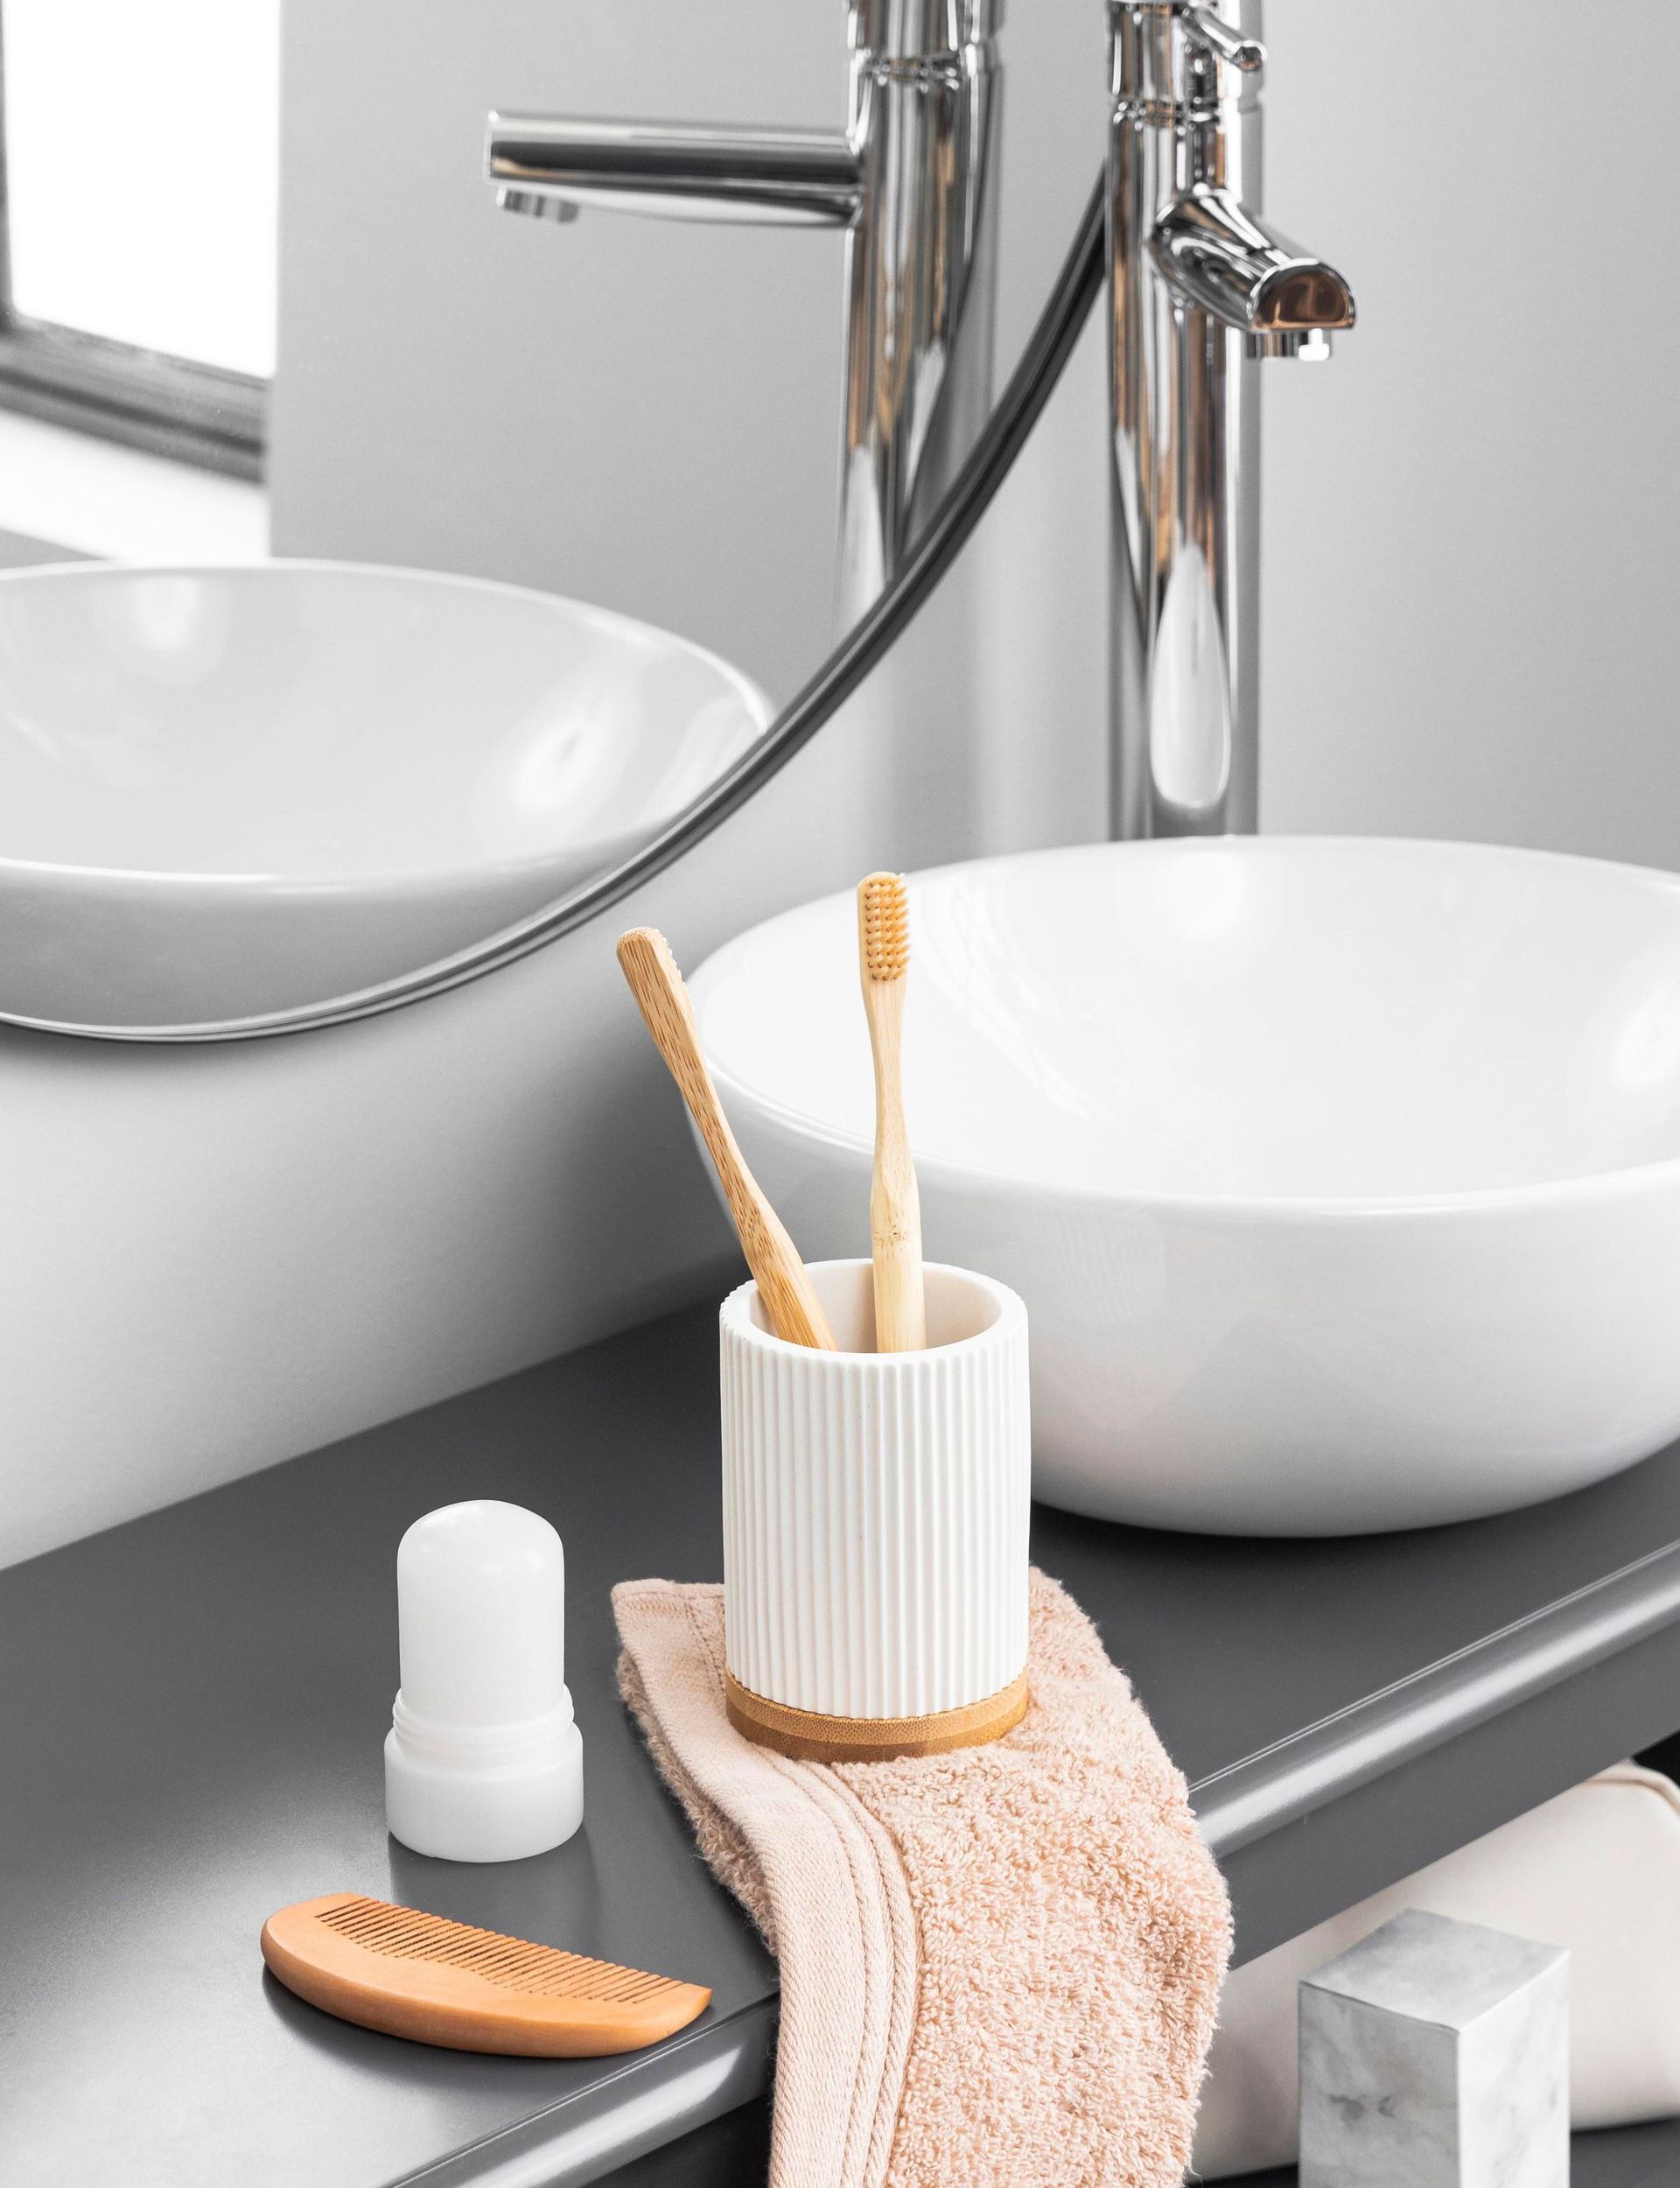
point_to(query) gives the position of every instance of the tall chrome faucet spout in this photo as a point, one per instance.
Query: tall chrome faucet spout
(911, 179)
(775, 177)
(1216, 256)
(1200, 290)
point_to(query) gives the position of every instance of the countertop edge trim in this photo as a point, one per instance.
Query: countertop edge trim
(524, 2153)
(1355, 1745)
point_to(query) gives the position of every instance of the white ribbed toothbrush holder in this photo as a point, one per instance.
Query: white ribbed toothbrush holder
(875, 1523)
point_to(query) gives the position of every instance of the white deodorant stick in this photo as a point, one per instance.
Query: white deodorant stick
(483, 1761)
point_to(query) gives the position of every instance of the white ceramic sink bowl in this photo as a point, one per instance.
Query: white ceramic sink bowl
(1341, 1179)
(225, 792)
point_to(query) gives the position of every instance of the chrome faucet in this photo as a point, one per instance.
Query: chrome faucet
(1200, 288)
(912, 181)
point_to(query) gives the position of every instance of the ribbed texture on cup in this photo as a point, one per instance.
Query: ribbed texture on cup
(875, 1513)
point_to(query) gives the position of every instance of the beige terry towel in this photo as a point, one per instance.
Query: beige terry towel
(998, 1967)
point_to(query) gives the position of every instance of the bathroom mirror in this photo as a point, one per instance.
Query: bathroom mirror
(249, 802)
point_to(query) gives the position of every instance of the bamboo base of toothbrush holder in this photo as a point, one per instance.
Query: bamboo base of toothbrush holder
(875, 1523)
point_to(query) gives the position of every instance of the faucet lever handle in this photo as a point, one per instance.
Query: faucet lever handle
(1215, 37)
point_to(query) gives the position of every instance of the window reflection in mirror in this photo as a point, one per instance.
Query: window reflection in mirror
(142, 147)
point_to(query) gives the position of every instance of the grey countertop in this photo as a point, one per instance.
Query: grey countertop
(193, 1704)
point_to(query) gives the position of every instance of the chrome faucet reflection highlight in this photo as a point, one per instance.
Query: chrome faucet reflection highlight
(912, 180)
(1200, 290)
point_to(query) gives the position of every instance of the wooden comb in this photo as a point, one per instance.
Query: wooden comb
(443, 1982)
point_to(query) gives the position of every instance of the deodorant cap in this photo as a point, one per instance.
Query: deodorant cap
(483, 1761)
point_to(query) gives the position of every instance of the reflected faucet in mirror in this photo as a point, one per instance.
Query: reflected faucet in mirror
(912, 180)
(1200, 288)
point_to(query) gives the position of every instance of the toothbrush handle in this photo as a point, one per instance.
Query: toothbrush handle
(790, 1299)
(894, 1204)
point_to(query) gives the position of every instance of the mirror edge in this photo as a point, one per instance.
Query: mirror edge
(865, 645)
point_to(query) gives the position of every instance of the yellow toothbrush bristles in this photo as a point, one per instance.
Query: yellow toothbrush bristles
(884, 909)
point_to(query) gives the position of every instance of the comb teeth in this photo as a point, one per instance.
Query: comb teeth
(538, 1971)
(884, 920)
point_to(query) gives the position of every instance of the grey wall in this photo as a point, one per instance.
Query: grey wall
(641, 413)
(466, 390)
(1469, 584)
(1470, 523)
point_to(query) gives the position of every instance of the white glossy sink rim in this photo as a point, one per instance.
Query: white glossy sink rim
(1341, 1177)
(351, 879)
(1227, 1206)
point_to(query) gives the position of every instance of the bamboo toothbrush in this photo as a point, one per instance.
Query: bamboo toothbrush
(894, 1207)
(789, 1297)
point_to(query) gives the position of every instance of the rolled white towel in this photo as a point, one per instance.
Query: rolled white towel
(1597, 1869)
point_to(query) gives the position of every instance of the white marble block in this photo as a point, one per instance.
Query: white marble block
(1435, 2054)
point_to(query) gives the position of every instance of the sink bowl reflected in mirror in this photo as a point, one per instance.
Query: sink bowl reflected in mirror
(229, 791)
(1341, 1178)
